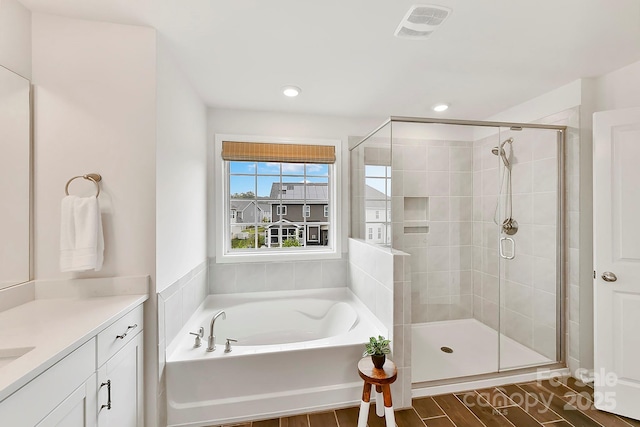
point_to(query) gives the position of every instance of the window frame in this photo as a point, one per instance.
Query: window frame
(220, 172)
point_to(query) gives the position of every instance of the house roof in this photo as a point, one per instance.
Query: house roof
(283, 222)
(372, 193)
(241, 205)
(296, 191)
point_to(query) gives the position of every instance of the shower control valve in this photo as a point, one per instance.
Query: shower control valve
(199, 335)
(227, 346)
(510, 226)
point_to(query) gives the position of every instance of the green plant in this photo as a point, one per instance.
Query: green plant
(290, 242)
(377, 346)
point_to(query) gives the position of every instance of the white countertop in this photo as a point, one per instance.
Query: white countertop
(55, 327)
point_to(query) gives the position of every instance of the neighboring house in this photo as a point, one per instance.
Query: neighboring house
(300, 215)
(377, 216)
(283, 230)
(247, 212)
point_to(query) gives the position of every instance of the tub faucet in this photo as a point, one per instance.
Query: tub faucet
(212, 338)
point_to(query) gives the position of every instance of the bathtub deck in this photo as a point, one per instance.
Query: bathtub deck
(475, 351)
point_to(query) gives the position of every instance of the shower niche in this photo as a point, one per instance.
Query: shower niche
(416, 215)
(478, 207)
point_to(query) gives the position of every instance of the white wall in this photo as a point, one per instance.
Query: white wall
(181, 156)
(618, 89)
(15, 37)
(95, 111)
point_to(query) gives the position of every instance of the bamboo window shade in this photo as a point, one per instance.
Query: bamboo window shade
(286, 153)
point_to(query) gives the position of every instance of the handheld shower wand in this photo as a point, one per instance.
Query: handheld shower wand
(499, 151)
(509, 225)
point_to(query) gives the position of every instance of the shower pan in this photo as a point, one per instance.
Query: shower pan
(478, 206)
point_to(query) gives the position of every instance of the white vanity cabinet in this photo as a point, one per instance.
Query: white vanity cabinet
(52, 395)
(77, 410)
(99, 384)
(120, 373)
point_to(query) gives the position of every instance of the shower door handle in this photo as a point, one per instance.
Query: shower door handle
(513, 248)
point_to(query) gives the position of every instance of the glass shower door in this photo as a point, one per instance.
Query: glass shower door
(528, 224)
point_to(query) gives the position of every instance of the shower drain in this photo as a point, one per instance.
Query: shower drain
(446, 349)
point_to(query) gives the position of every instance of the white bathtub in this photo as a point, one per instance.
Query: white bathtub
(297, 351)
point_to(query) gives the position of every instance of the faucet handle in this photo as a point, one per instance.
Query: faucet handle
(227, 346)
(199, 335)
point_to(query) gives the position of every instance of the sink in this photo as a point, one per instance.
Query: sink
(8, 355)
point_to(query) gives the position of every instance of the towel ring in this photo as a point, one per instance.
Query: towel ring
(93, 177)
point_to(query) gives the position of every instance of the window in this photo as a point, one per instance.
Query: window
(377, 195)
(279, 188)
(370, 233)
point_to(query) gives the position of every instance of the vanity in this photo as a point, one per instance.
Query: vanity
(76, 359)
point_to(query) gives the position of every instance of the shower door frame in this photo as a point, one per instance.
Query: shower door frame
(561, 361)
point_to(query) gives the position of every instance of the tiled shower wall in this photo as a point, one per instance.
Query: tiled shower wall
(527, 295)
(436, 177)
(571, 279)
(380, 277)
(524, 287)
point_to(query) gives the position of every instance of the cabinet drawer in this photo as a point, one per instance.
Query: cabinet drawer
(116, 336)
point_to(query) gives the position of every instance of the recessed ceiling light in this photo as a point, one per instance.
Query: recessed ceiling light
(440, 107)
(291, 91)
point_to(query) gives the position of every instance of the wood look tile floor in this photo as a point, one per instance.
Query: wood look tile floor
(564, 402)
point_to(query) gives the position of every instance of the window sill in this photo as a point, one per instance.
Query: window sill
(280, 256)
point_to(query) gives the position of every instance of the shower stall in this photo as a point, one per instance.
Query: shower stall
(478, 206)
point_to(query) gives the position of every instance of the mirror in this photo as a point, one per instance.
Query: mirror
(15, 178)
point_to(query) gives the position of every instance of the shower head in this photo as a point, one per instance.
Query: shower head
(509, 140)
(499, 151)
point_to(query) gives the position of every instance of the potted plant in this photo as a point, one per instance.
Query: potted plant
(377, 348)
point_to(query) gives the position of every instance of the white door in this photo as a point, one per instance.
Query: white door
(616, 180)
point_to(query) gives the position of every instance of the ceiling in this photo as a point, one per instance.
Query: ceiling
(488, 55)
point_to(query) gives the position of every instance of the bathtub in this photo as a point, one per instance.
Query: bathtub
(297, 351)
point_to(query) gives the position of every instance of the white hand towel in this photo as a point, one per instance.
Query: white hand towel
(81, 239)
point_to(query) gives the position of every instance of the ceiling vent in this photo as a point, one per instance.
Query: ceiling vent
(421, 21)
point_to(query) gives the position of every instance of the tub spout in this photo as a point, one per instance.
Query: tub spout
(212, 338)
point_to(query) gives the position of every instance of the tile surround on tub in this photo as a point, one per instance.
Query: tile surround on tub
(277, 276)
(176, 303)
